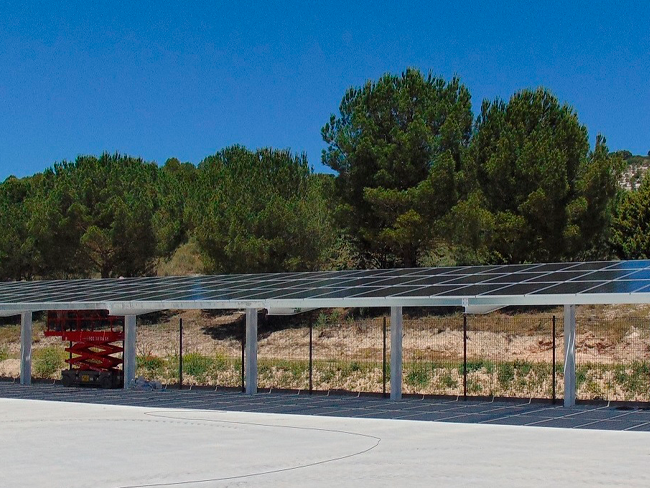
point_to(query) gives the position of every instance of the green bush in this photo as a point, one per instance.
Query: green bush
(477, 365)
(4, 353)
(581, 375)
(447, 380)
(523, 367)
(197, 365)
(418, 377)
(152, 365)
(632, 378)
(221, 362)
(48, 361)
(506, 374)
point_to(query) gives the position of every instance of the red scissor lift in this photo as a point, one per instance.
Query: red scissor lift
(92, 335)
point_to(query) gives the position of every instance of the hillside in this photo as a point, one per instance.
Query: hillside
(635, 169)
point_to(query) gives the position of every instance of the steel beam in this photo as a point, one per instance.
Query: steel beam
(26, 348)
(129, 350)
(251, 351)
(569, 355)
(396, 353)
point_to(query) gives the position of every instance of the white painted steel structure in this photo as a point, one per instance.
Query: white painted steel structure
(251, 351)
(477, 289)
(25, 348)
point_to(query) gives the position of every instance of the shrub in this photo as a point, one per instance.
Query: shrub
(418, 377)
(506, 374)
(447, 380)
(152, 365)
(477, 365)
(195, 364)
(48, 361)
(523, 367)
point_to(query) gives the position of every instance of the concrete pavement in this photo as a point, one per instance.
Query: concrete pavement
(57, 444)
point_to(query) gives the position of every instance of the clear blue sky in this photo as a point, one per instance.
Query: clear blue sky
(186, 79)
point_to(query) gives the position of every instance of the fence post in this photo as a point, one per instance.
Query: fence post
(383, 368)
(243, 367)
(464, 356)
(180, 354)
(311, 354)
(554, 393)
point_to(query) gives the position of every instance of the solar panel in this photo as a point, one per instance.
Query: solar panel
(557, 277)
(499, 285)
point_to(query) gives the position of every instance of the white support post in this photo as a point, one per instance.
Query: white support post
(26, 348)
(251, 351)
(396, 353)
(129, 350)
(569, 355)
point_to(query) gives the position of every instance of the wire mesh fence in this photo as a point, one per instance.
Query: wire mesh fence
(495, 355)
(613, 359)
(283, 352)
(432, 348)
(189, 352)
(351, 354)
(157, 351)
(10, 347)
(511, 356)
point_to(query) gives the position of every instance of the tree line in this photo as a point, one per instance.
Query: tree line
(420, 181)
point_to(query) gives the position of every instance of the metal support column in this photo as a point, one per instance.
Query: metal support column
(26, 348)
(464, 356)
(396, 353)
(569, 355)
(311, 355)
(180, 354)
(129, 350)
(251, 351)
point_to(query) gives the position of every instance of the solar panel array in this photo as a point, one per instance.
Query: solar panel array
(509, 281)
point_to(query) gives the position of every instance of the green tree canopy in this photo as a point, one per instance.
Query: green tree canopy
(630, 236)
(16, 244)
(396, 145)
(175, 185)
(529, 166)
(95, 216)
(259, 211)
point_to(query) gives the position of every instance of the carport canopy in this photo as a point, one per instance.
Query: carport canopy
(477, 289)
(472, 287)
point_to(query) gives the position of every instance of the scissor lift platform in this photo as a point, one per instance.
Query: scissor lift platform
(96, 343)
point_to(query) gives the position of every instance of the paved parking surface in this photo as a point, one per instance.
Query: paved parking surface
(469, 412)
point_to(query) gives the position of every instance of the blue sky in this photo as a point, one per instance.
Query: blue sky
(186, 79)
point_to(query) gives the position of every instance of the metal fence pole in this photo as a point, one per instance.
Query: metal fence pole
(554, 360)
(180, 354)
(311, 354)
(383, 368)
(243, 368)
(464, 356)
